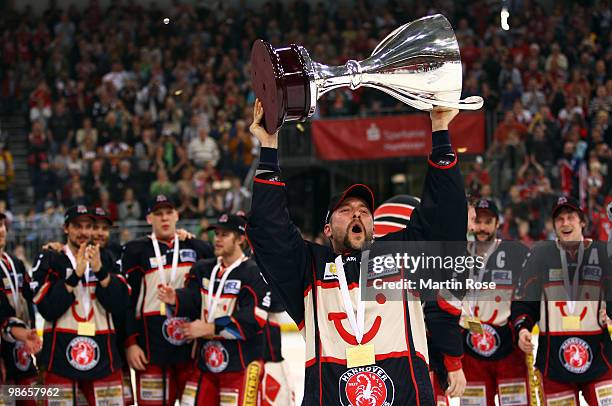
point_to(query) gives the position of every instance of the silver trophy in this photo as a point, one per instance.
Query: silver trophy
(419, 64)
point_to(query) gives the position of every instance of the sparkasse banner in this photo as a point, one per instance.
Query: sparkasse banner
(393, 136)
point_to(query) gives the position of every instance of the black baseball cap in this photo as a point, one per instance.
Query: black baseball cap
(231, 222)
(569, 202)
(100, 214)
(158, 202)
(488, 205)
(74, 212)
(357, 190)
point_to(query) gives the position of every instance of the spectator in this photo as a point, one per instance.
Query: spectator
(7, 171)
(508, 125)
(123, 179)
(46, 185)
(477, 177)
(203, 150)
(237, 198)
(97, 179)
(38, 145)
(86, 131)
(129, 208)
(174, 156)
(162, 185)
(106, 202)
(117, 76)
(241, 147)
(61, 125)
(145, 149)
(191, 131)
(75, 164)
(533, 98)
(556, 58)
(187, 208)
(60, 162)
(40, 102)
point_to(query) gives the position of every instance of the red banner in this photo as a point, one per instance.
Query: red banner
(393, 136)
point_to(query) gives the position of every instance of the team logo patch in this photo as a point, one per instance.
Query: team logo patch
(330, 271)
(366, 386)
(576, 355)
(188, 255)
(232, 286)
(215, 356)
(172, 331)
(83, 353)
(484, 344)
(21, 357)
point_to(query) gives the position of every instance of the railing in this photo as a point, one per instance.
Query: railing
(33, 236)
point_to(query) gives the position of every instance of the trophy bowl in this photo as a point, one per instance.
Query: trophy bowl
(418, 63)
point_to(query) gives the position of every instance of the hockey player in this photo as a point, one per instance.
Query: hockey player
(156, 345)
(77, 291)
(492, 364)
(19, 338)
(378, 355)
(101, 235)
(445, 352)
(227, 299)
(276, 385)
(564, 285)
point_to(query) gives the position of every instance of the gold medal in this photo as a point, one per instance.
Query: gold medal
(86, 329)
(475, 325)
(571, 323)
(162, 309)
(360, 356)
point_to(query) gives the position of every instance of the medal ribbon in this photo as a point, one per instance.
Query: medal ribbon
(357, 322)
(14, 286)
(571, 289)
(213, 299)
(82, 289)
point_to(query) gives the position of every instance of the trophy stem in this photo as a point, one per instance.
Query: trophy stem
(328, 78)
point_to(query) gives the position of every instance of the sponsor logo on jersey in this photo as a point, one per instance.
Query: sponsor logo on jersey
(188, 255)
(153, 261)
(172, 331)
(215, 356)
(366, 386)
(576, 355)
(591, 273)
(484, 344)
(83, 353)
(232, 286)
(21, 357)
(555, 274)
(501, 276)
(330, 272)
(385, 271)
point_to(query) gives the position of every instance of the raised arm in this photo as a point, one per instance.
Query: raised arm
(281, 253)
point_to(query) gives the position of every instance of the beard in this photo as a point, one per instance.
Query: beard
(487, 236)
(347, 244)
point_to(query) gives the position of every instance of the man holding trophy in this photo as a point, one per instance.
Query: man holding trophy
(378, 354)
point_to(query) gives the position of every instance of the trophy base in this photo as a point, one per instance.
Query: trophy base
(280, 80)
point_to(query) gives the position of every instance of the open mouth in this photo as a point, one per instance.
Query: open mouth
(356, 229)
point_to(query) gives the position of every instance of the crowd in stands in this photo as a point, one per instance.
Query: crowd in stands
(122, 106)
